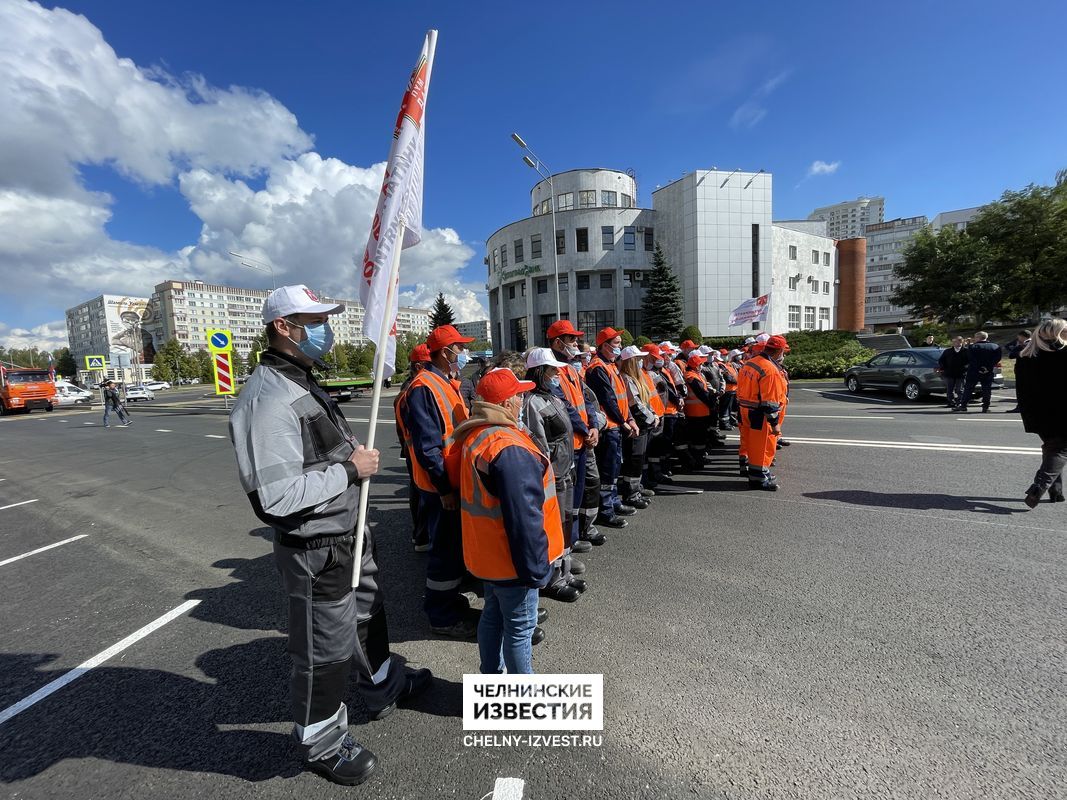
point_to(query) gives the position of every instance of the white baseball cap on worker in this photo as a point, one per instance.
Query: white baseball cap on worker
(633, 351)
(542, 357)
(298, 299)
(704, 350)
(750, 340)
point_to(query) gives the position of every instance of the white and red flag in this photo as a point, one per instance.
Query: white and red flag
(754, 309)
(399, 208)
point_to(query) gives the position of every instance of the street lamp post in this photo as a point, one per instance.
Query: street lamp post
(533, 162)
(259, 266)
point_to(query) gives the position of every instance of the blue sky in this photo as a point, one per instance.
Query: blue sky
(936, 106)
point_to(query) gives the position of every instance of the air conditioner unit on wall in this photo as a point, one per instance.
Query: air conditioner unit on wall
(636, 275)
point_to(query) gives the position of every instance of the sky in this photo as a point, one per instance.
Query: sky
(141, 141)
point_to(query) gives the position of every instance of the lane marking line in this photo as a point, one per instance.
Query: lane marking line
(848, 394)
(928, 446)
(23, 503)
(987, 421)
(835, 416)
(163, 430)
(42, 549)
(213, 436)
(95, 661)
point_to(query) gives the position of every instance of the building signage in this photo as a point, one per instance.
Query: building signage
(520, 271)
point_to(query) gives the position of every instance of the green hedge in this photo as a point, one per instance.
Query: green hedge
(827, 363)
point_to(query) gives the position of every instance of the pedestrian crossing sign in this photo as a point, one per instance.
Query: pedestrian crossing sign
(95, 362)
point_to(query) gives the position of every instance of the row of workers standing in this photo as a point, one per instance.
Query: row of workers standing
(514, 470)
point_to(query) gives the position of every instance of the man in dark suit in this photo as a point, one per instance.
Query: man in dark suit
(984, 356)
(953, 363)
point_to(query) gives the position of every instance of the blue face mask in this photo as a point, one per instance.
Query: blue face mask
(318, 341)
(554, 382)
(462, 359)
(616, 351)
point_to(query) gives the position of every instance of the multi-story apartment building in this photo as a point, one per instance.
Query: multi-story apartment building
(847, 220)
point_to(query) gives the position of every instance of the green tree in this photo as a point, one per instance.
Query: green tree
(480, 345)
(661, 309)
(65, 364)
(259, 344)
(238, 365)
(169, 364)
(691, 332)
(641, 341)
(201, 366)
(441, 313)
(405, 342)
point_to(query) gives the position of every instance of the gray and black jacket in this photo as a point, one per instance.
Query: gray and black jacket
(292, 445)
(549, 425)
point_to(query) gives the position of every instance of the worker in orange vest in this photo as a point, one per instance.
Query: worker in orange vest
(512, 523)
(698, 405)
(430, 411)
(728, 402)
(420, 532)
(761, 393)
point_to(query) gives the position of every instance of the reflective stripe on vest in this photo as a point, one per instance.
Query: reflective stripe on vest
(571, 385)
(655, 402)
(744, 398)
(452, 410)
(486, 549)
(672, 406)
(617, 385)
(730, 370)
(694, 406)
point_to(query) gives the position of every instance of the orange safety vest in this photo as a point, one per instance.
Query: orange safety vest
(672, 407)
(486, 550)
(758, 384)
(571, 385)
(655, 401)
(452, 410)
(730, 370)
(694, 406)
(616, 384)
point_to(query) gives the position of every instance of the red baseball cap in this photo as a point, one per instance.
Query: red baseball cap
(562, 327)
(695, 360)
(776, 343)
(653, 350)
(500, 384)
(419, 352)
(688, 344)
(444, 336)
(606, 335)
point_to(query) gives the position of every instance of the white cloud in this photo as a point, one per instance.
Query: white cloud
(47, 337)
(753, 110)
(69, 100)
(823, 168)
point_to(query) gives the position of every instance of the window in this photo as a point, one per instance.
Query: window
(627, 201)
(809, 318)
(792, 252)
(522, 288)
(901, 360)
(755, 260)
(582, 281)
(633, 321)
(814, 256)
(535, 245)
(825, 259)
(609, 199)
(563, 284)
(511, 292)
(594, 320)
(546, 206)
(519, 334)
(542, 285)
(546, 323)
(587, 198)
(503, 255)
(581, 240)
(824, 319)
(496, 263)
(565, 202)
(518, 251)
(629, 238)
(814, 284)
(561, 242)
(650, 239)
(606, 280)
(826, 287)
(607, 237)
(794, 281)
(794, 318)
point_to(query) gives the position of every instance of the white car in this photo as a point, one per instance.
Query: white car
(67, 394)
(135, 393)
(156, 386)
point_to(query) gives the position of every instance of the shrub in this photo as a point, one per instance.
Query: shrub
(826, 363)
(641, 341)
(690, 332)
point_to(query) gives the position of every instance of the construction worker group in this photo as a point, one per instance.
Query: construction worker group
(551, 445)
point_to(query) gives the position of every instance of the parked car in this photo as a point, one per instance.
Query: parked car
(156, 386)
(135, 393)
(67, 394)
(914, 371)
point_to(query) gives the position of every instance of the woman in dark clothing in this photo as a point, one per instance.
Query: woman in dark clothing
(1041, 386)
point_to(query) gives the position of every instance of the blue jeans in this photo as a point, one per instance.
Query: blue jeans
(609, 462)
(505, 629)
(123, 416)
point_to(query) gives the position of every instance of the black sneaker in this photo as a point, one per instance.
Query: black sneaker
(625, 511)
(464, 628)
(350, 766)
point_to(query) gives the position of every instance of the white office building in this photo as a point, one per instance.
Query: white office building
(804, 268)
(959, 219)
(848, 220)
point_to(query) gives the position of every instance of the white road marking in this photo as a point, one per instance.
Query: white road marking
(949, 448)
(42, 549)
(987, 420)
(23, 503)
(213, 436)
(163, 430)
(835, 416)
(88, 423)
(508, 789)
(95, 661)
(847, 394)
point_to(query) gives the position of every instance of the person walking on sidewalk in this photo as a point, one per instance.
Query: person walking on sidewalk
(113, 402)
(1041, 383)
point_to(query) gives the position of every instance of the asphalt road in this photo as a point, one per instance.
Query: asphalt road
(889, 624)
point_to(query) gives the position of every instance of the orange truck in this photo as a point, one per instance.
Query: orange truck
(22, 390)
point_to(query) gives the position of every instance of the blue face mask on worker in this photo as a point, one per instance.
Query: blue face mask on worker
(318, 339)
(462, 357)
(554, 381)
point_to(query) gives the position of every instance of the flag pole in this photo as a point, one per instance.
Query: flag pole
(379, 356)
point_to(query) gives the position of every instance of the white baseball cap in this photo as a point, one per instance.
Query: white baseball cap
(704, 350)
(633, 351)
(750, 340)
(763, 337)
(542, 357)
(716, 355)
(297, 299)
(734, 353)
